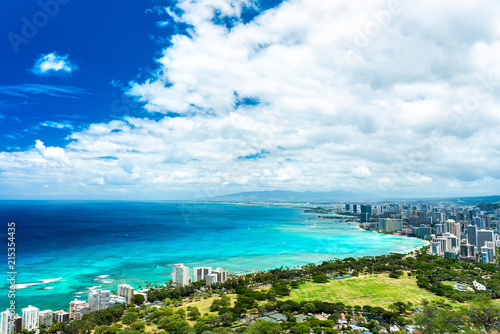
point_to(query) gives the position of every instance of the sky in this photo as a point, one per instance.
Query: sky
(191, 99)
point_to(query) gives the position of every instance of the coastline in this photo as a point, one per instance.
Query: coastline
(261, 237)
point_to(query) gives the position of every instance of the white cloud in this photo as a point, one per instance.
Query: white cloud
(57, 125)
(53, 64)
(53, 155)
(361, 172)
(290, 100)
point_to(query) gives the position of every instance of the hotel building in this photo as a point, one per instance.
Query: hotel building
(180, 274)
(77, 308)
(99, 300)
(125, 290)
(30, 318)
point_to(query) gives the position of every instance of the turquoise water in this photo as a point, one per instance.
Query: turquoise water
(77, 245)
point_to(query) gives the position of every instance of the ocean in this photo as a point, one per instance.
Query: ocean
(63, 248)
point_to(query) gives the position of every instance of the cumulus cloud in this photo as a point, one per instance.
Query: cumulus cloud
(317, 95)
(53, 64)
(53, 155)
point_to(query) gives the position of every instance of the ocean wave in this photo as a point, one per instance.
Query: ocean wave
(48, 288)
(42, 281)
(25, 285)
(50, 280)
(102, 276)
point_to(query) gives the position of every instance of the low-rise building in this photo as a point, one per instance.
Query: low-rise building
(61, 316)
(45, 317)
(77, 308)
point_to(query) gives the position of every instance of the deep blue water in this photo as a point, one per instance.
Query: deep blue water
(134, 242)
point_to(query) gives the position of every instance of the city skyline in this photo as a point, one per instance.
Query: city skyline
(198, 99)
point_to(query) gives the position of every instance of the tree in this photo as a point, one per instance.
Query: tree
(138, 326)
(264, 327)
(139, 299)
(299, 329)
(227, 318)
(194, 313)
(320, 278)
(484, 314)
(437, 320)
(215, 305)
(80, 326)
(130, 317)
(181, 312)
(58, 327)
(225, 301)
(309, 308)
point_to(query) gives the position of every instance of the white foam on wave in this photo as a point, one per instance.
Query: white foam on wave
(49, 287)
(102, 276)
(42, 281)
(94, 287)
(106, 280)
(25, 285)
(50, 280)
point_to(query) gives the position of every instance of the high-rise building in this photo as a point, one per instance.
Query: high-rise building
(77, 308)
(10, 323)
(490, 252)
(424, 231)
(457, 231)
(126, 291)
(5, 323)
(354, 208)
(436, 248)
(99, 299)
(467, 251)
(484, 257)
(211, 279)
(199, 273)
(491, 244)
(483, 236)
(180, 274)
(45, 317)
(348, 207)
(366, 208)
(222, 274)
(30, 317)
(390, 225)
(439, 228)
(472, 235)
(445, 244)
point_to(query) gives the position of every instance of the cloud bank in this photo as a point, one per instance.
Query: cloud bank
(310, 95)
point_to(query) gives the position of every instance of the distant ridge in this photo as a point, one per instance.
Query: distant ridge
(341, 196)
(292, 196)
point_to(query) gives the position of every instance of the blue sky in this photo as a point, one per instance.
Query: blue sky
(108, 41)
(190, 99)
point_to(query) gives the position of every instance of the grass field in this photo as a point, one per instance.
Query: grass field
(203, 305)
(450, 283)
(373, 290)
